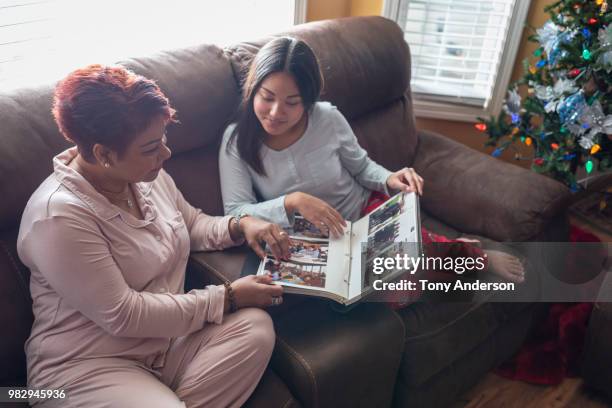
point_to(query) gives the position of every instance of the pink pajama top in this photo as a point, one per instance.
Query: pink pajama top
(106, 284)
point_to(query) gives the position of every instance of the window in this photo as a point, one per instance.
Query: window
(462, 53)
(42, 40)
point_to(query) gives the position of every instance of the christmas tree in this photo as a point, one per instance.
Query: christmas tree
(566, 114)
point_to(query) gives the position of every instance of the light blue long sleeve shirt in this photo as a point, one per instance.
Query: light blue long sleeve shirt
(326, 162)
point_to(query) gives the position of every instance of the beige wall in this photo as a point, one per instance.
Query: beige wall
(461, 131)
(366, 7)
(324, 9)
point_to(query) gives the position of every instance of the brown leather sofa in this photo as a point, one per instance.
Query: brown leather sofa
(422, 356)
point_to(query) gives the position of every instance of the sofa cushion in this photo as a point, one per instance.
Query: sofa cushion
(196, 174)
(29, 139)
(382, 132)
(200, 85)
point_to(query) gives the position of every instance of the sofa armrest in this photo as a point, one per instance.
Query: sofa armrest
(481, 195)
(331, 359)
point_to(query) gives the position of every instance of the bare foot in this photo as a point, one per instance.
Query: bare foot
(506, 266)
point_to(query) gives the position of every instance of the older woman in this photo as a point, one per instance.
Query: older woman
(107, 237)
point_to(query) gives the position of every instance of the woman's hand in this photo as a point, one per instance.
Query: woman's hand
(255, 291)
(256, 230)
(407, 180)
(317, 211)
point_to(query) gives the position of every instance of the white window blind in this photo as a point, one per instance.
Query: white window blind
(462, 50)
(42, 40)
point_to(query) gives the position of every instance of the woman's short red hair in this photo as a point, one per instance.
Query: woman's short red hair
(107, 105)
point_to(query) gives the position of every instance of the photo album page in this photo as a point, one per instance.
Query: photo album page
(337, 268)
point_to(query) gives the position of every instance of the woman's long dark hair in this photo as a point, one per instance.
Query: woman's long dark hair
(283, 54)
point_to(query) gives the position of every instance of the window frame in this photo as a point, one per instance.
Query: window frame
(441, 107)
(300, 8)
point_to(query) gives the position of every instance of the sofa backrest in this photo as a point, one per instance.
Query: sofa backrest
(366, 67)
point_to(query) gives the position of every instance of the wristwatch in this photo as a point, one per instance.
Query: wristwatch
(238, 218)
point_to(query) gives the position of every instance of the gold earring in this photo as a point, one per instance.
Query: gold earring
(107, 165)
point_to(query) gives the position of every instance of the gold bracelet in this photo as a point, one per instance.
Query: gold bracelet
(229, 291)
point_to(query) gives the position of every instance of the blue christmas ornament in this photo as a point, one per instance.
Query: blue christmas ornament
(541, 63)
(572, 107)
(556, 52)
(586, 33)
(515, 117)
(542, 136)
(497, 152)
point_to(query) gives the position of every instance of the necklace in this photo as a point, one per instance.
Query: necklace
(120, 196)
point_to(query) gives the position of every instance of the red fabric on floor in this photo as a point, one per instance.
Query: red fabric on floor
(554, 350)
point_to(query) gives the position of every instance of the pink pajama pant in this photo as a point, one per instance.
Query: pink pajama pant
(218, 366)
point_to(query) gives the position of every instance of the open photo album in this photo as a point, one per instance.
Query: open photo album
(341, 268)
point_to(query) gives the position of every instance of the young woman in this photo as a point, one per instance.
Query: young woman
(288, 153)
